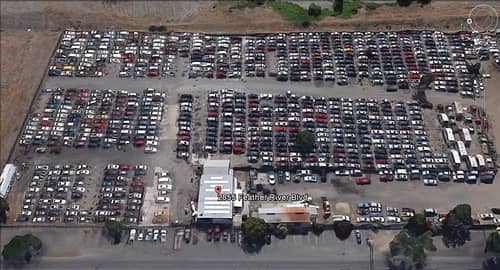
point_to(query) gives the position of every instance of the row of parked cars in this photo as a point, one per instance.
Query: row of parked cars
(184, 126)
(382, 57)
(94, 118)
(152, 55)
(82, 54)
(255, 56)
(351, 136)
(218, 56)
(373, 212)
(87, 54)
(53, 194)
(122, 193)
(459, 125)
(227, 109)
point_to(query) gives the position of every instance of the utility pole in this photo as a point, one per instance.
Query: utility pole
(369, 243)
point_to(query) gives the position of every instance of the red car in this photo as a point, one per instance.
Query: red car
(363, 181)
(139, 143)
(125, 167)
(386, 178)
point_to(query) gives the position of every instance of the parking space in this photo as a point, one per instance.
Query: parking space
(156, 208)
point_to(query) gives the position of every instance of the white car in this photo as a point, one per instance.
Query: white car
(487, 216)
(84, 172)
(430, 182)
(152, 143)
(362, 219)
(164, 187)
(162, 199)
(377, 219)
(271, 179)
(341, 218)
(150, 149)
(430, 211)
(394, 219)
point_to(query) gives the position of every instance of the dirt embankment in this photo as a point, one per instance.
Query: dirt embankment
(213, 16)
(24, 56)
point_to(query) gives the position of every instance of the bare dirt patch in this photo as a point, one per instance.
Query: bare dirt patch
(24, 57)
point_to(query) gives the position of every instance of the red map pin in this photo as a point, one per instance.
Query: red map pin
(218, 190)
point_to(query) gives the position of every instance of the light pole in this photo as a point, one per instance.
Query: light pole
(369, 243)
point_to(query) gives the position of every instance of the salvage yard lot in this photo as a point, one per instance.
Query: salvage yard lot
(395, 194)
(131, 125)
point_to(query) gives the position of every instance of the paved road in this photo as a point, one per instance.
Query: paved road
(100, 262)
(71, 248)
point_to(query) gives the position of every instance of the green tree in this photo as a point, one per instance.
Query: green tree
(114, 230)
(417, 225)
(493, 243)
(343, 229)
(318, 228)
(314, 10)
(305, 141)
(404, 3)
(254, 229)
(406, 246)
(258, 2)
(338, 6)
(21, 248)
(424, 2)
(153, 28)
(161, 28)
(455, 227)
(281, 231)
(4, 207)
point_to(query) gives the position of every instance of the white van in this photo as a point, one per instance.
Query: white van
(131, 238)
(162, 199)
(164, 180)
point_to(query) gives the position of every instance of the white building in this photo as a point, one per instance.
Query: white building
(216, 175)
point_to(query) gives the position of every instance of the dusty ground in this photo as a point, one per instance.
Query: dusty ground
(24, 56)
(215, 16)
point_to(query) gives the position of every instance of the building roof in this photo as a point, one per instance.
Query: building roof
(287, 214)
(216, 167)
(215, 173)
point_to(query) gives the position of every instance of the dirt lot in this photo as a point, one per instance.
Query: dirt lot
(215, 16)
(24, 56)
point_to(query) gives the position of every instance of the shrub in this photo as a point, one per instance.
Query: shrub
(404, 3)
(314, 10)
(153, 28)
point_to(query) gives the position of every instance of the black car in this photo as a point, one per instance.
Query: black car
(267, 238)
(232, 236)
(358, 237)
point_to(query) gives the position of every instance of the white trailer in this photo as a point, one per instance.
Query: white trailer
(455, 158)
(461, 149)
(466, 136)
(8, 174)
